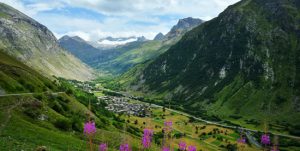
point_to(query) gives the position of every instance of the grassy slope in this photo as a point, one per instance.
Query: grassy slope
(20, 127)
(17, 77)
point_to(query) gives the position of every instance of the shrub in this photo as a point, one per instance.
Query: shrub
(235, 116)
(57, 107)
(231, 147)
(295, 130)
(30, 87)
(158, 137)
(118, 125)
(63, 124)
(69, 92)
(33, 109)
(38, 96)
(77, 124)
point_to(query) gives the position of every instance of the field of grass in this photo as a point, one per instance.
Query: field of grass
(208, 137)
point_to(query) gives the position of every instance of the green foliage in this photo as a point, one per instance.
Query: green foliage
(133, 130)
(63, 124)
(295, 130)
(33, 109)
(158, 137)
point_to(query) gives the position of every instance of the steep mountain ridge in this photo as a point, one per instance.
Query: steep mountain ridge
(32, 43)
(78, 47)
(246, 60)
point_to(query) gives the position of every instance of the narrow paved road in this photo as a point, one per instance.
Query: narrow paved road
(20, 94)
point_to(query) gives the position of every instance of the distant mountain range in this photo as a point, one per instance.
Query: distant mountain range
(32, 43)
(117, 55)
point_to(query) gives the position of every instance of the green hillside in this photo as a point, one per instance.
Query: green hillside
(244, 61)
(48, 116)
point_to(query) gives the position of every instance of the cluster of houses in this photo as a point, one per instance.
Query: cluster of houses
(82, 85)
(117, 104)
(122, 105)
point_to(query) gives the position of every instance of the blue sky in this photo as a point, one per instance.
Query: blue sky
(94, 19)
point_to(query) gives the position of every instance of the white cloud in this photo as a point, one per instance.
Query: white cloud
(119, 17)
(33, 8)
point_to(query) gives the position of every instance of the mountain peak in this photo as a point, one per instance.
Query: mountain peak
(188, 22)
(142, 38)
(182, 26)
(76, 38)
(159, 36)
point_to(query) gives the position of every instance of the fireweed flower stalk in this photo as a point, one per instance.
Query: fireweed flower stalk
(166, 149)
(182, 146)
(168, 126)
(124, 147)
(265, 139)
(89, 130)
(192, 148)
(275, 148)
(103, 147)
(241, 140)
(147, 138)
(167, 130)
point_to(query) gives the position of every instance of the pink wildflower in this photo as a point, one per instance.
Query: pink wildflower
(103, 147)
(165, 149)
(265, 139)
(242, 140)
(168, 126)
(89, 128)
(147, 138)
(124, 147)
(192, 148)
(182, 146)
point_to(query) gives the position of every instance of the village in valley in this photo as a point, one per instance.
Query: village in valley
(123, 105)
(116, 102)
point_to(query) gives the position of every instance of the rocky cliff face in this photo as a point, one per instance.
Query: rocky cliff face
(183, 26)
(32, 43)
